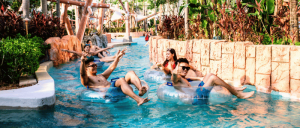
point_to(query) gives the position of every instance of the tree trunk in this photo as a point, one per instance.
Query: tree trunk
(294, 30)
(57, 8)
(186, 22)
(127, 21)
(25, 5)
(44, 7)
(84, 18)
(100, 20)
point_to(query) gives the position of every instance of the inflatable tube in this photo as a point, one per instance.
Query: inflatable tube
(157, 76)
(109, 95)
(193, 95)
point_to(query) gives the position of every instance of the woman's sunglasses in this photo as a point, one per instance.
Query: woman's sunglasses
(183, 68)
(93, 65)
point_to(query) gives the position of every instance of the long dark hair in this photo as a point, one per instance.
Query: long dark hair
(172, 51)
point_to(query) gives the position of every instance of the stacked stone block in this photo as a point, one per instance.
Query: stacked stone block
(268, 67)
(263, 68)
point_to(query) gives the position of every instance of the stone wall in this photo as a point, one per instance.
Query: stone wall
(268, 67)
(66, 42)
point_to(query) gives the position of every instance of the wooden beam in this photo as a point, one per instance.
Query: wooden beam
(78, 3)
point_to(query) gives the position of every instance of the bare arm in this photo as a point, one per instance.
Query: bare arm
(103, 49)
(114, 65)
(83, 75)
(77, 53)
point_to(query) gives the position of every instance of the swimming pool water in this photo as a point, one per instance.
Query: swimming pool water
(262, 110)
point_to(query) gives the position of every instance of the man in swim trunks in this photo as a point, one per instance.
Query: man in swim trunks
(95, 48)
(179, 80)
(88, 71)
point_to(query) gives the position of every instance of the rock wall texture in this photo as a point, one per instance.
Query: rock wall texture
(66, 42)
(268, 67)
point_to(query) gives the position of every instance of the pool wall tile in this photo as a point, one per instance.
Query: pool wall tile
(228, 47)
(150, 48)
(268, 67)
(295, 88)
(250, 50)
(215, 67)
(250, 70)
(263, 59)
(280, 53)
(295, 63)
(196, 61)
(197, 46)
(182, 48)
(189, 50)
(205, 70)
(239, 77)
(215, 50)
(262, 83)
(240, 54)
(280, 77)
(227, 66)
(205, 50)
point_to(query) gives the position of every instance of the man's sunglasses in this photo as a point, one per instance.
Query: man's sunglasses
(183, 68)
(93, 65)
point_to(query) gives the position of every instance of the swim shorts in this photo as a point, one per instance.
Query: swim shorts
(114, 93)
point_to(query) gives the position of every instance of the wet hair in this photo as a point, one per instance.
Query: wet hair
(181, 60)
(88, 41)
(87, 62)
(87, 45)
(172, 51)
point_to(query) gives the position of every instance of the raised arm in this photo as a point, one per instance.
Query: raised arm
(103, 49)
(77, 53)
(113, 66)
(175, 77)
(83, 75)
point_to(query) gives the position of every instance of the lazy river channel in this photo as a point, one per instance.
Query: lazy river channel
(261, 110)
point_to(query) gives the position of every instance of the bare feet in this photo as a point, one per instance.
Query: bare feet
(143, 101)
(245, 95)
(240, 88)
(143, 91)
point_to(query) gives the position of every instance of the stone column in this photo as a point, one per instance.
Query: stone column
(84, 18)
(44, 7)
(186, 22)
(25, 4)
(127, 20)
(294, 30)
(100, 20)
(57, 8)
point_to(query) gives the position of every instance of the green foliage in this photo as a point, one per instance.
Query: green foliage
(19, 56)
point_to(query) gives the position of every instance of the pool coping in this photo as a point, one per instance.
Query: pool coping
(40, 95)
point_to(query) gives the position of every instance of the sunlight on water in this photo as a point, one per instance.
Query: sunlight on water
(262, 110)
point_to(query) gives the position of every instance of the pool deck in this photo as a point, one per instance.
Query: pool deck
(121, 43)
(39, 95)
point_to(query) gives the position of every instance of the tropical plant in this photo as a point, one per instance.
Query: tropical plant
(10, 24)
(19, 56)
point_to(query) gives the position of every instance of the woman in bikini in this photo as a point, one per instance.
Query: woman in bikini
(90, 55)
(169, 64)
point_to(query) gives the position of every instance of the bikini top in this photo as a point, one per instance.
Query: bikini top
(90, 58)
(173, 66)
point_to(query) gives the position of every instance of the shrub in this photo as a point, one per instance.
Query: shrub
(10, 24)
(45, 27)
(19, 56)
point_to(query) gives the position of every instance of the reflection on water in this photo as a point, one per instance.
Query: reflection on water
(262, 110)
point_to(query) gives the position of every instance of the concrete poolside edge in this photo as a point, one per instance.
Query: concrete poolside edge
(39, 95)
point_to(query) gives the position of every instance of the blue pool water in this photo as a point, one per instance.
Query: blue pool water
(262, 110)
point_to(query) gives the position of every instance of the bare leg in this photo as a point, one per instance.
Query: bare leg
(132, 78)
(106, 60)
(100, 56)
(104, 54)
(214, 80)
(126, 89)
(206, 77)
